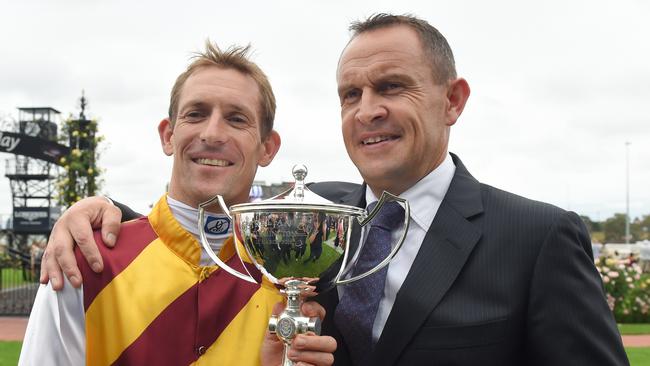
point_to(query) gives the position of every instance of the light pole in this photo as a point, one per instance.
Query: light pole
(627, 192)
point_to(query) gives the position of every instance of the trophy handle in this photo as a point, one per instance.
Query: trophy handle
(211, 253)
(363, 221)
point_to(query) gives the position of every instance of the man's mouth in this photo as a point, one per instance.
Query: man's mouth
(377, 139)
(212, 162)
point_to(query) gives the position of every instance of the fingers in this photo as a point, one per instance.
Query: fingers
(312, 308)
(59, 242)
(312, 349)
(278, 307)
(111, 225)
(81, 218)
(82, 234)
(75, 225)
(50, 271)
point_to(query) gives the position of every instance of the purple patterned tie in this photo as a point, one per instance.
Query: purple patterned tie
(355, 314)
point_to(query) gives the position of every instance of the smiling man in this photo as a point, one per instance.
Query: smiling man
(485, 277)
(158, 302)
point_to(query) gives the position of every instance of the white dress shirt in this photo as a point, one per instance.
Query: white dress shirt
(424, 198)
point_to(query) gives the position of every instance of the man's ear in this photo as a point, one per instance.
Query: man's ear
(271, 145)
(166, 132)
(457, 95)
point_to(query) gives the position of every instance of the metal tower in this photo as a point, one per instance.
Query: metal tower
(32, 180)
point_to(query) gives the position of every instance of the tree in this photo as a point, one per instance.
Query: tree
(591, 225)
(81, 177)
(614, 228)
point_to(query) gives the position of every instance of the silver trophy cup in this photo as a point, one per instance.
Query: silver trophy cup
(300, 242)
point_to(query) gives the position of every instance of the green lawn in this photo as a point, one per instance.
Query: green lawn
(9, 352)
(629, 329)
(638, 356)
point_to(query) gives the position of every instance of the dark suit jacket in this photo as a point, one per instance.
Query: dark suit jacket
(499, 280)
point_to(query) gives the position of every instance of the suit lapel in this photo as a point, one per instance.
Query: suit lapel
(444, 251)
(330, 299)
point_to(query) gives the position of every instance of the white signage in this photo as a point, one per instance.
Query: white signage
(9, 142)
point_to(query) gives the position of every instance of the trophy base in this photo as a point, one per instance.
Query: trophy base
(291, 322)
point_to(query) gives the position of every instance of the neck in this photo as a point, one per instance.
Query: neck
(397, 186)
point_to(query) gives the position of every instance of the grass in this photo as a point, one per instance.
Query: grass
(638, 356)
(631, 329)
(9, 352)
(299, 269)
(12, 277)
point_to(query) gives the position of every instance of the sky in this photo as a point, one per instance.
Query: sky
(558, 87)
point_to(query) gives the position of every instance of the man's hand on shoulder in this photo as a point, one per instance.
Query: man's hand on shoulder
(76, 226)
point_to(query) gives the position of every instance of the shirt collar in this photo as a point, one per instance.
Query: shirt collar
(432, 188)
(176, 238)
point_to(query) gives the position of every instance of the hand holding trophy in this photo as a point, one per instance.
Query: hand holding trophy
(299, 241)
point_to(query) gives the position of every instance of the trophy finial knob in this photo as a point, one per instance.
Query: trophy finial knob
(299, 172)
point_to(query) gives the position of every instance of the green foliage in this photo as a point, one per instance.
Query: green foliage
(13, 277)
(627, 289)
(614, 228)
(81, 177)
(591, 225)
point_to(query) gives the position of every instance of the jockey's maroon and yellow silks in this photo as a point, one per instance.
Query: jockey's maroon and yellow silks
(154, 305)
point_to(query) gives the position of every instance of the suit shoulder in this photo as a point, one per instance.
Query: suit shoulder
(509, 204)
(333, 190)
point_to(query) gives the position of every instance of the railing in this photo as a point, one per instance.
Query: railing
(22, 165)
(18, 280)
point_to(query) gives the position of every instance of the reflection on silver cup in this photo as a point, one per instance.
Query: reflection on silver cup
(300, 242)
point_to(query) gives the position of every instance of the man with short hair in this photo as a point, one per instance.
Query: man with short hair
(158, 300)
(484, 277)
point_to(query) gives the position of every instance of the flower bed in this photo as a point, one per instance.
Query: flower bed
(627, 289)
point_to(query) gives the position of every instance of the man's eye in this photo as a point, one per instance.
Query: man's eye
(237, 119)
(193, 116)
(388, 87)
(350, 96)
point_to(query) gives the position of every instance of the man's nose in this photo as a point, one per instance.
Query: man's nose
(371, 108)
(215, 130)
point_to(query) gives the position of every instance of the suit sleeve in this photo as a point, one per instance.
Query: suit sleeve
(127, 213)
(568, 320)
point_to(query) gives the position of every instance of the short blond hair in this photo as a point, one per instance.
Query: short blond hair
(235, 57)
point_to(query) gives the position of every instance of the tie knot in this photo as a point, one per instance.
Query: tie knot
(389, 217)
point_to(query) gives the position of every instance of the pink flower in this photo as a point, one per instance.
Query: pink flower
(605, 279)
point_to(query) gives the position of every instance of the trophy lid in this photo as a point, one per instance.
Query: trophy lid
(300, 197)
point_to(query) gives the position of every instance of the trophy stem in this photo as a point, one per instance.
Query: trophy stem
(285, 356)
(291, 321)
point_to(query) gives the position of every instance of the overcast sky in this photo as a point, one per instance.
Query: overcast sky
(558, 87)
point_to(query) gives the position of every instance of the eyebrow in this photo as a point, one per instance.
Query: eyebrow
(227, 105)
(375, 80)
(394, 76)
